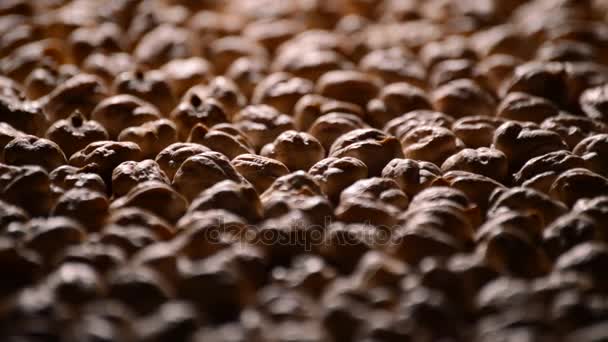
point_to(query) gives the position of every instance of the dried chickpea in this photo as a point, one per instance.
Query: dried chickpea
(533, 77)
(106, 155)
(22, 115)
(296, 150)
(281, 91)
(411, 175)
(521, 142)
(402, 125)
(151, 86)
(67, 177)
(455, 47)
(349, 86)
(261, 124)
(384, 190)
(138, 217)
(118, 112)
(81, 92)
(260, 171)
(75, 133)
(195, 110)
(226, 92)
(528, 201)
(394, 65)
(7, 134)
(201, 171)
(31, 150)
(524, 107)
(476, 131)
(494, 70)
(430, 143)
(172, 157)
(156, 197)
(152, 137)
(108, 66)
(483, 161)
(593, 102)
(540, 172)
(394, 100)
(578, 183)
(220, 141)
(568, 231)
(142, 289)
(49, 237)
(240, 199)
(478, 188)
(28, 187)
(329, 127)
(103, 38)
(224, 51)
(42, 80)
(451, 70)
(592, 149)
(129, 174)
(86, 206)
(162, 44)
(186, 73)
(247, 72)
(310, 107)
(373, 147)
(271, 33)
(463, 97)
(308, 63)
(572, 128)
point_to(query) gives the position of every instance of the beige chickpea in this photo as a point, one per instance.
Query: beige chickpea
(260, 171)
(195, 110)
(150, 86)
(128, 174)
(68, 177)
(82, 92)
(75, 133)
(310, 107)
(394, 100)
(271, 33)
(484, 161)
(501, 40)
(416, 243)
(523, 107)
(23, 116)
(156, 197)
(202, 171)
(463, 97)
(225, 91)
(261, 124)
(230, 142)
(118, 112)
(281, 91)
(454, 47)
(172, 157)
(527, 200)
(152, 137)
(223, 51)
(450, 70)
(546, 80)
(412, 175)
(185, 73)
(45, 78)
(31, 150)
(297, 150)
(247, 72)
(108, 66)
(28, 187)
(592, 149)
(432, 144)
(447, 219)
(521, 142)
(103, 38)
(373, 147)
(349, 86)
(309, 63)
(478, 188)
(240, 199)
(494, 70)
(476, 131)
(384, 190)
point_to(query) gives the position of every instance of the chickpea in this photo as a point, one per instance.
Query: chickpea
(540, 172)
(151, 86)
(527, 200)
(260, 171)
(247, 72)
(455, 47)
(108, 66)
(81, 92)
(140, 288)
(75, 133)
(195, 110)
(31, 150)
(261, 124)
(309, 63)
(237, 198)
(476, 131)
(162, 44)
(310, 107)
(106, 155)
(371, 146)
(430, 143)
(185, 73)
(152, 137)
(7, 134)
(330, 127)
(349, 86)
(156, 197)
(226, 92)
(189, 180)
(83, 205)
(297, 150)
(577, 183)
(226, 50)
(477, 188)
(533, 77)
(394, 100)
(50, 237)
(138, 217)
(573, 129)
(524, 107)
(450, 70)
(402, 125)
(394, 65)
(129, 174)
(103, 38)
(593, 102)
(411, 175)
(271, 33)
(463, 97)
(281, 91)
(220, 141)
(28, 187)
(23, 116)
(118, 112)
(494, 70)
(483, 161)
(336, 174)
(522, 142)
(46, 77)
(172, 157)
(568, 231)
(591, 150)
